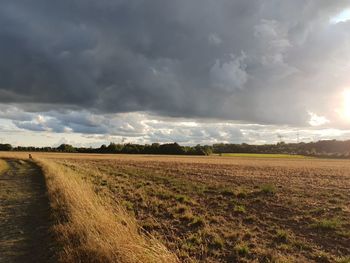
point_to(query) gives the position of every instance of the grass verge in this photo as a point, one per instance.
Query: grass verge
(90, 229)
(3, 166)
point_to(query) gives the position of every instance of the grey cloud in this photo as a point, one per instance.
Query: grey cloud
(13, 113)
(254, 61)
(76, 121)
(230, 75)
(84, 128)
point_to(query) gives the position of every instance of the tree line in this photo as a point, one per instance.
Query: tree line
(128, 148)
(324, 148)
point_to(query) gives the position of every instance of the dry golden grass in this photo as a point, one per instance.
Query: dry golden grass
(213, 209)
(90, 229)
(205, 209)
(3, 166)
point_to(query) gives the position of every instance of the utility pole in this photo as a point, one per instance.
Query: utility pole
(280, 137)
(298, 137)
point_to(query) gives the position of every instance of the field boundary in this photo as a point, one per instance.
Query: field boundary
(87, 226)
(3, 166)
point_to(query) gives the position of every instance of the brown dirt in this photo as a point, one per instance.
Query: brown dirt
(212, 190)
(24, 215)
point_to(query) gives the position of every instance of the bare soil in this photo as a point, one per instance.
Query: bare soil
(24, 215)
(232, 209)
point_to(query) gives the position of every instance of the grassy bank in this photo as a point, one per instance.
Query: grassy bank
(90, 229)
(3, 166)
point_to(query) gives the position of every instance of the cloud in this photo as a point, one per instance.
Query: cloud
(83, 128)
(230, 75)
(341, 17)
(316, 120)
(214, 39)
(84, 62)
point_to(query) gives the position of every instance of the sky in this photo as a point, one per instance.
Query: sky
(192, 71)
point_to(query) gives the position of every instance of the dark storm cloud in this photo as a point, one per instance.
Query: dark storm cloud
(258, 61)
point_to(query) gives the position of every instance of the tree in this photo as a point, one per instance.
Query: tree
(103, 148)
(171, 148)
(114, 148)
(5, 147)
(66, 148)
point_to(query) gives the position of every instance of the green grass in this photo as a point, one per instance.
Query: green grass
(282, 236)
(343, 260)
(242, 249)
(240, 209)
(328, 224)
(264, 155)
(268, 189)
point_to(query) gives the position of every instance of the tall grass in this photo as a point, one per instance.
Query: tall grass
(3, 166)
(90, 229)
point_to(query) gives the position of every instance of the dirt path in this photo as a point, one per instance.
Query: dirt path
(24, 215)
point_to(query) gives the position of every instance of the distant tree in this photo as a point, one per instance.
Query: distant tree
(324, 148)
(5, 147)
(66, 148)
(114, 148)
(208, 150)
(103, 148)
(171, 148)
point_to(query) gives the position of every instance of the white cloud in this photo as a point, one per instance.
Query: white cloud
(343, 16)
(83, 128)
(316, 120)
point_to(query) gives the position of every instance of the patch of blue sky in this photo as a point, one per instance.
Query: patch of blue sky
(343, 16)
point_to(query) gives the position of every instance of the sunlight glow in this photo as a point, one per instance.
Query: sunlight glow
(341, 17)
